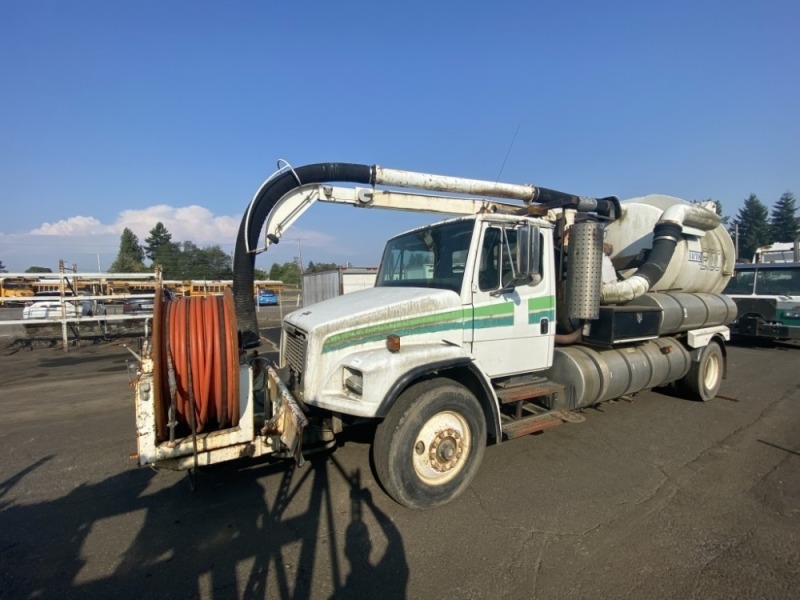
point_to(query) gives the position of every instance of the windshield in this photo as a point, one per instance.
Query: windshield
(434, 257)
(768, 282)
(741, 283)
(778, 282)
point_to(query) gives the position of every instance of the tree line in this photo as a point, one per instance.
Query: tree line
(177, 260)
(756, 226)
(185, 260)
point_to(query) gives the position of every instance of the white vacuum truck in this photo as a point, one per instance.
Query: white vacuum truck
(504, 321)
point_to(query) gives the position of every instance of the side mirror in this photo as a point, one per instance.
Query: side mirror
(528, 251)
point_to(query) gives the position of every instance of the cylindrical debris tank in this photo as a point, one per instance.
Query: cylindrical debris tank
(593, 376)
(585, 269)
(683, 311)
(703, 260)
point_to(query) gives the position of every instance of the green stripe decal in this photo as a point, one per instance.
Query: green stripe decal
(483, 317)
(494, 315)
(540, 308)
(453, 319)
(792, 322)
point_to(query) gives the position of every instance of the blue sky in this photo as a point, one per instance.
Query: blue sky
(117, 114)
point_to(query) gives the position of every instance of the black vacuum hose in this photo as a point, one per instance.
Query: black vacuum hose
(250, 230)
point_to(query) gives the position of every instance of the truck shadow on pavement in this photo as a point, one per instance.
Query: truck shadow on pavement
(131, 535)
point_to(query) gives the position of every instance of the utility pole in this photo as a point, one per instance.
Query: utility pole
(300, 255)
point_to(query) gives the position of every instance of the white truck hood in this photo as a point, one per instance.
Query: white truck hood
(380, 310)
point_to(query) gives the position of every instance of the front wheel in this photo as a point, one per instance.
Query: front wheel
(430, 446)
(705, 376)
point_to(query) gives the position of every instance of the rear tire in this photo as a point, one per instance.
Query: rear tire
(705, 376)
(430, 446)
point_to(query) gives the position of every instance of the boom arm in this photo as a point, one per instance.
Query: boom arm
(292, 205)
(286, 195)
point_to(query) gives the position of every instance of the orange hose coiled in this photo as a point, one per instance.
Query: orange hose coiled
(198, 336)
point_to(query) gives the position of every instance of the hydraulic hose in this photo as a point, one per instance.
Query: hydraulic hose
(199, 380)
(665, 239)
(253, 221)
(566, 339)
(607, 207)
(666, 234)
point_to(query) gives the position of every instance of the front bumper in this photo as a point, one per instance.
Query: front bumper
(275, 429)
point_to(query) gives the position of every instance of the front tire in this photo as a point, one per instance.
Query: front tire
(705, 376)
(430, 446)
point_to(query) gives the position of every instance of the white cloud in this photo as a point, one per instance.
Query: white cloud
(193, 222)
(87, 242)
(73, 226)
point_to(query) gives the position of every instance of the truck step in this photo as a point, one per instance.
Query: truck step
(535, 423)
(526, 391)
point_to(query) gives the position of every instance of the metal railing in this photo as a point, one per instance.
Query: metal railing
(71, 295)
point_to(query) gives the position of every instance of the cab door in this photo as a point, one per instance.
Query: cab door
(513, 319)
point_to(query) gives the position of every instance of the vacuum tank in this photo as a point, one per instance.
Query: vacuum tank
(672, 259)
(704, 255)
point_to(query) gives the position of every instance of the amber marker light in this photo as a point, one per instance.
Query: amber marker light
(393, 343)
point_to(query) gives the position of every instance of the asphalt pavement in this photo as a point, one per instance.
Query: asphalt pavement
(658, 497)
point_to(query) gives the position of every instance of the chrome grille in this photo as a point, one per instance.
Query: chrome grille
(295, 350)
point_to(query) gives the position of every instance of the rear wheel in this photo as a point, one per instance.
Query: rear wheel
(430, 446)
(705, 376)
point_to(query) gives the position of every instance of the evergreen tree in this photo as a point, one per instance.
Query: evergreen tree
(275, 272)
(319, 267)
(288, 273)
(168, 257)
(165, 253)
(784, 224)
(35, 269)
(130, 258)
(207, 263)
(3, 267)
(216, 262)
(753, 226)
(159, 237)
(189, 262)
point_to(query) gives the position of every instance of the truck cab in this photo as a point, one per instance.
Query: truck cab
(768, 298)
(473, 291)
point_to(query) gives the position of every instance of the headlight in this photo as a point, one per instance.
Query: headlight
(353, 380)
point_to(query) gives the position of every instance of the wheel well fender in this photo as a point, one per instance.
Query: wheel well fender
(719, 340)
(461, 370)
